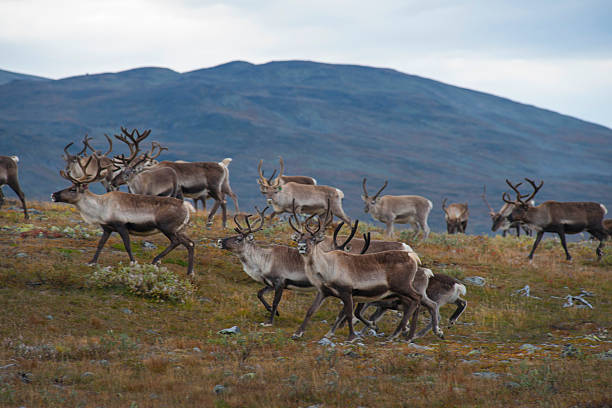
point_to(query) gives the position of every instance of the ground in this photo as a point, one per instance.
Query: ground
(65, 342)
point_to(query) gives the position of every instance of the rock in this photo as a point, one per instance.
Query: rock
(326, 342)
(204, 299)
(247, 376)
(87, 375)
(530, 348)
(127, 311)
(469, 361)
(474, 353)
(486, 374)
(512, 384)
(219, 389)
(606, 355)
(475, 280)
(49, 317)
(26, 377)
(149, 245)
(416, 346)
(21, 255)
(4, 367)
(104, 363)
(196, 350)
(570, 350)
(231, 330)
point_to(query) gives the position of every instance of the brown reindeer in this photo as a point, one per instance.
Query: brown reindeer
(8, 175)
(500, 218)
(405, 209)
(343, 275)
(127, 214)
(456, 216)
(74, 162)
(558, 217)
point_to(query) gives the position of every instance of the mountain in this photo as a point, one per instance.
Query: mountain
(8, 76)
(337, 123)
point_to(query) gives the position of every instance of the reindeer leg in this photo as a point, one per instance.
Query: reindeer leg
(461, 305)
(434, 311)
(601, 236)
(339, 322)
(347, 300)
(17, 190)
(535, 244)
(562, 236)
(1, 197)
(410, 308)
(105, 234)
(260, 296)
(174, 242)
(518, 230)
(189, 245)
(212, 212)
(316, 304)
(224, 211)
(278, 293)
(125, 236)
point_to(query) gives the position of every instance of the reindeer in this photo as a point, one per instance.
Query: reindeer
(74, 162)
(8, 175)
(309, 199)
(126, 213)
(278, 267)
(225, 188)
(500, 218)
(281, 179)
(440, 288)
(371, 276)
(558, 217)
(398, 209)
(162, 182)
(456, 216)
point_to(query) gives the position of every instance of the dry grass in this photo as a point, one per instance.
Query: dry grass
(64, 343)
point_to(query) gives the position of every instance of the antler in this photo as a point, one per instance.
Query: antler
(366, 243)
(262, 179)
(381, 189)
(133, 145)
(86, 145)
(294, 216)
(68, 155)
(160, 149)
(280, 173)
(444, 206)
(363, 184)
(249, 229)
(350, 237)
(519, 197)
(535, 188)
(110, 144)
(484, 197)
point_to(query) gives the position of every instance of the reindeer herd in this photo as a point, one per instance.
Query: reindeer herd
(361, 272)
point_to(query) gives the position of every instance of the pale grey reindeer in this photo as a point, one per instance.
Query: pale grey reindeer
(557, 217)
(278, 267)
(404, 209)
(282, 179)
(371, 276)
(500, 218)
(126, 213)
(308, 199)
(456, 216)
(9, 175)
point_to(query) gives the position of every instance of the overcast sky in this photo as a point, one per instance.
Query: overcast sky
(552, 54)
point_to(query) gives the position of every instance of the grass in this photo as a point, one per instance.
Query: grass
(65, 342)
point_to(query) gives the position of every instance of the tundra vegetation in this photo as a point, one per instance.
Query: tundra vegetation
(66, 340)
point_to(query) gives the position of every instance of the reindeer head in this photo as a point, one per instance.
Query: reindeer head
(370, 202)
(521, 205)
(307, 235)
(453, 219)
(270, 186)
(245, 234)
(79, 185)
(131, 166)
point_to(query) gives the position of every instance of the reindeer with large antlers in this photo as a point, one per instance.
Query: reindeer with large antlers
(278, 267)
(456, 216)
(500, 218)
(126, 213)
(157, 181)
(74, 162)
(558, 217)
(343, 275)
(308, 199)
(9, 175)
(404, 209)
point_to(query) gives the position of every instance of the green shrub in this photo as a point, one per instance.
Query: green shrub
(148, 281)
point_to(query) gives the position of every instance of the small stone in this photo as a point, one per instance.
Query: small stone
(474, 353)
(530, 348)
(486, 374)
(247, 376)
(416, 346)
(104, 363)
(21, 255)
(606, 355)
(326, 342)
(512, 385)
(231, 330)
(4, 367)
(475, 280)
(127, 311)
(204, 299)
(219, 389)
(149, 245)
(470, 361)
(87, 375)
(196, 350)
(49, 317)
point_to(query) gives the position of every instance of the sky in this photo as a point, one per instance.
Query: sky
(552, 54)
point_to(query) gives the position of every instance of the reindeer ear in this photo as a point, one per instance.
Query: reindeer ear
(363, 197)
(295, 236)
(250, 237)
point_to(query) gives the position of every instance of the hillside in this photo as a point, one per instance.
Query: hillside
(337, 123)
(8, 76)
(66, 341)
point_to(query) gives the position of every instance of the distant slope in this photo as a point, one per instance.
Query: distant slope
(8, 76)
(337, 123)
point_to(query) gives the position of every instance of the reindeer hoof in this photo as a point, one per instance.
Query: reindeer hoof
(297, 336)
(91, 263)
(265, 324)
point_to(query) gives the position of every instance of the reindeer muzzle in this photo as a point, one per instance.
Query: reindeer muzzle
(302, 247)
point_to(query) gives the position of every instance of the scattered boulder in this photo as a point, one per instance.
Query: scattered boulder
(231, 330)
(326, 342)
(149, 245)
(487, 374)
(219, 389)
(530, 348)
(475, 280)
